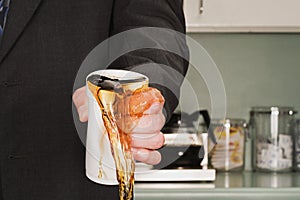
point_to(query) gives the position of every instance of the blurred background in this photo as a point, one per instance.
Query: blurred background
(258, 69)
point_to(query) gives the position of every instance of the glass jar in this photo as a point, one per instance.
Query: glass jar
(272, 132)
(297, 145)
(228, 145)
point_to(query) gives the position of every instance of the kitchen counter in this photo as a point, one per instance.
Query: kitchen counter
(231, 186)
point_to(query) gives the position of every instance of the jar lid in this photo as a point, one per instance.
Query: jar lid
(269, 109)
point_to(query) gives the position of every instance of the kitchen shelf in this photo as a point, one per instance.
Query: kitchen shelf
(234, 185)
(242, 16)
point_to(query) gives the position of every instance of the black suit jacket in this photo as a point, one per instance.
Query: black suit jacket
(43, 45)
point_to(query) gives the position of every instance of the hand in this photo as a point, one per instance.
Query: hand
(146, 136)
(80, 101)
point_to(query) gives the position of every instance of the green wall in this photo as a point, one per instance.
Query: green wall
(257, 69)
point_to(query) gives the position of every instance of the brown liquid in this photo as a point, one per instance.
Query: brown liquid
(121, 110)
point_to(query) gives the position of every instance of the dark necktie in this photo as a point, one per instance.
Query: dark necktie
(4, 6)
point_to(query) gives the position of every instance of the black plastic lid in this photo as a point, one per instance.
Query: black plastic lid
(268, 110)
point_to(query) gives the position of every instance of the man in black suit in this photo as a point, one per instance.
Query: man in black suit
(42, 47)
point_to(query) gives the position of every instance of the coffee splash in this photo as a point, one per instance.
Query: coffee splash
(122, 105)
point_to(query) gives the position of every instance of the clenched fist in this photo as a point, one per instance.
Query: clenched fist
(146, 135)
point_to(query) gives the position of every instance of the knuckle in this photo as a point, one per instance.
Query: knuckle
(156, 158)
(159, 141)
(162, 120)
(76, 97)
(82, 112)
(158, 123)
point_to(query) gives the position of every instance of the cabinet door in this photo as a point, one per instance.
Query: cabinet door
(242, 15)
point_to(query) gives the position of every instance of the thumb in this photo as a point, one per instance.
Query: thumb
(155, 108)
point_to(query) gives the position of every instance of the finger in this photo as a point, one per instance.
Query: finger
(142, 99)
(79, 97)
(146, 156)
(155, 108)
(148, 141)
(81, 103)
(150, 124)
(83, 113)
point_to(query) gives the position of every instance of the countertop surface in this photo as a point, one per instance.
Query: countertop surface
(234, 185)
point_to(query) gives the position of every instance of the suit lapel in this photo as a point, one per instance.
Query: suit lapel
(20, 13)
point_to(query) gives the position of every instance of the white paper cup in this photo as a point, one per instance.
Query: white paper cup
(98, 151)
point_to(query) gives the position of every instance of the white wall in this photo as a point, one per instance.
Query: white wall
(257, 69)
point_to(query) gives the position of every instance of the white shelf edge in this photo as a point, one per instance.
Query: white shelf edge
(176, 175)
(241, 29)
